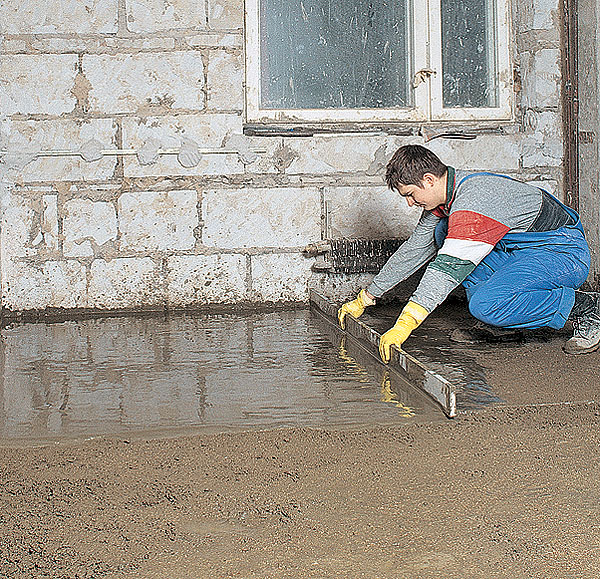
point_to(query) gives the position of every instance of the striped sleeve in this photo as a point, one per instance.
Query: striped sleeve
(471, 236)
(409, 257)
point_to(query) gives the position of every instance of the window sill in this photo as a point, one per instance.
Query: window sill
(429, 131)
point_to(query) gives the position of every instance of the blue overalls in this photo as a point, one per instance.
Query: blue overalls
(529, 279)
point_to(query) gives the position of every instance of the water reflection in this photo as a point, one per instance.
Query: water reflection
(119, 374)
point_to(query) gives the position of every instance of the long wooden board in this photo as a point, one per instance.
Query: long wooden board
(415, 372)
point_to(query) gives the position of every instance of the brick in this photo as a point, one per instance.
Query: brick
(37, 84)
(337, 153)
(545, 16)
(59, 16)
(542, 78)
(17, 227)
(157, 15)
(125, 283)
(56, 284)
(61, 134)
(369, 212)
(225, 81)
(486, 152)
(87, 224)
(12, 45)
(50, 221)
(203, 279)
(269, 161)
(543, 148)
(282, 217)
(157, 221)
(216, 39)
(64, 45)
(226, 14)
(136, 44)
(127, 83)
(91, 45)
(208, 130)
(280, 277)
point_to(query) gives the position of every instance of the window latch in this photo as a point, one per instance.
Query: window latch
(422, 75)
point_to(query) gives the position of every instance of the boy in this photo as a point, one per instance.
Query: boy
(520, 254)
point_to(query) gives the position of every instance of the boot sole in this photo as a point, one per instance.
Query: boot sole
(582, 351)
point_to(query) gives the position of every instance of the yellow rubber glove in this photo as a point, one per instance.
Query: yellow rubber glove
(355, 307)
(411, 317)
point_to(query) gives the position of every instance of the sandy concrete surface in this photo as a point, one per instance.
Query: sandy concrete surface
(505, 492)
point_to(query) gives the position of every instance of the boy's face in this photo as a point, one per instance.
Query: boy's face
(429, 195)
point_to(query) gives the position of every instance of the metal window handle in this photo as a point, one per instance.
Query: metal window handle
(423, 75)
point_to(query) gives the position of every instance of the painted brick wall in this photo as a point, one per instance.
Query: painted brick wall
(114, 233)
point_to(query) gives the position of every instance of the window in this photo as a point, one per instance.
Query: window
(377, 60)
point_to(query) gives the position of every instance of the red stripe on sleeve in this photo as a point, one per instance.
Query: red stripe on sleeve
(475, 227)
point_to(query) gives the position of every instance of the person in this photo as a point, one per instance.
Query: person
(520, 254)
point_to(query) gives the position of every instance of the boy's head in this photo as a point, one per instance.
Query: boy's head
(409, 165)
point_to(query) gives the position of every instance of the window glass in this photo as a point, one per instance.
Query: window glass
(322, 54)
(468, 53)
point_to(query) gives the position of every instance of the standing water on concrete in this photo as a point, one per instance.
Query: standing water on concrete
(123, 374)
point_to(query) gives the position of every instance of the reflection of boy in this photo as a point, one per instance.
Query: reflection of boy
(518, 251)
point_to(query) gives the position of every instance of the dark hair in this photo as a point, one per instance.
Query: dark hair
(410, 163)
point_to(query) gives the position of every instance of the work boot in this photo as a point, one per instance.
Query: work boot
(482, 333)
(585, 316)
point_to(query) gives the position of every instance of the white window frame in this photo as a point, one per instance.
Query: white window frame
(502, 67)
(425, 45)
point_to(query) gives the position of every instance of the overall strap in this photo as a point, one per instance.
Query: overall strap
(481, 173)
(571, 212)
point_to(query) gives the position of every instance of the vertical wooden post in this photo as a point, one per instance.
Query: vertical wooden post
(570, 101)
(588, 125)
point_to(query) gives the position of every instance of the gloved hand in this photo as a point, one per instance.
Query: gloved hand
(355, 307)
(411, 317)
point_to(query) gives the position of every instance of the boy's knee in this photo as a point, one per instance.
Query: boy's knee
(489, 311)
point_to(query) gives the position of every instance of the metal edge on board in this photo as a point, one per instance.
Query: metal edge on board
(415, 372)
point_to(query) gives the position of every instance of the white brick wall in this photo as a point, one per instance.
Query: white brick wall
(150, 221)
(125, 83)
(203, 279)
(226, 14)
(147, 16)
(545, 145)
(54, 284)
(17, 227)
(64, 16)
(113, 233)
(69, 135)
(336, 153)
(486, 152)
(85, 224)
(546, 14)
(224, 81)
(37, 84)
(50, 221)
(369, 213)
(124, 283)
(542, 82)
(280, 277)
(278, 217)
(207, 130)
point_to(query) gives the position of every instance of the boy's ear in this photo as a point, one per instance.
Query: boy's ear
(429, 179)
